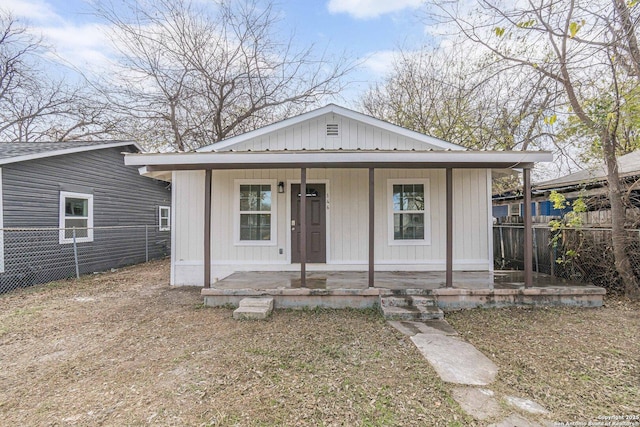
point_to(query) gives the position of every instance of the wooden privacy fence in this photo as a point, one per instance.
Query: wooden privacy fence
(508, 248)
(584, 254)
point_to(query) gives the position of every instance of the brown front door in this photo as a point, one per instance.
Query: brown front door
(316, 223)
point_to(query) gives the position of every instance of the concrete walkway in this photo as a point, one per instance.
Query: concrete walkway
(458, 362)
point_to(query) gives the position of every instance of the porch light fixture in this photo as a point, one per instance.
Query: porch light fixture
(281, 187)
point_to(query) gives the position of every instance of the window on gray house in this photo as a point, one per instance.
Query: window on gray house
(164, 218)
(76, 215)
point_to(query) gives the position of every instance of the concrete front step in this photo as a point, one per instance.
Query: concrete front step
(409, 313)
(410, 308)
(422, 301)
(388, 301)
(254, 308)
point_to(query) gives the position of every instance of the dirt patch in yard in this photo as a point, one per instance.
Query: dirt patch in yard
(124, 348)
(581, 364)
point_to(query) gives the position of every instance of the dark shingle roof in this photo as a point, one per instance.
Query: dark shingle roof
(12, 152)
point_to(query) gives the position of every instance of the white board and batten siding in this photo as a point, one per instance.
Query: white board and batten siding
(347, 222)
(314, 134)
(187, 191)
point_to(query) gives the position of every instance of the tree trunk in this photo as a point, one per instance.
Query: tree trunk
(618, 218)
(174, 127)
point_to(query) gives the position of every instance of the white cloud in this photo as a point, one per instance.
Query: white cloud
(366, 9)
(33, 11)
(83, 46)
(380, 63)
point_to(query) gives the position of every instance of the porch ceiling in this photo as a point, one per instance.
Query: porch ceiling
(337, 159)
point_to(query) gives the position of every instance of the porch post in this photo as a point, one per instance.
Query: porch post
(449, 267)
(207, 228)
(303, 227)
(371, 225)
(528, 230)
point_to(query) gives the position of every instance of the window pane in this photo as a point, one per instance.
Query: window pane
(408, 197)
(247, 201)
(164, 218)
(415, 197)
(245, 233)
(408, 226)
(397, 197)
(81, 230)
(255, 198)
(265, 198)
(76, 207)
(255, 226)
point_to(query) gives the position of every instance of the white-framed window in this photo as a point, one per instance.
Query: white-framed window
(409, 216)
(514, 209)
(164, 218)
(76, 211)
(255, 207)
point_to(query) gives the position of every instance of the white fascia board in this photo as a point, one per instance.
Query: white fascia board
(264, 159)
(62, 152)
(165, 176)
(331, 108)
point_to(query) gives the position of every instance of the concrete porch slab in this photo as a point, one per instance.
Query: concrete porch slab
(295, 298)
(341, 289)
(391, 280)
(446, 298)
(567, 296)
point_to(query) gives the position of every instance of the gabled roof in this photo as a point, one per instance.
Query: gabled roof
(628, 165)
(429, 141)
(14, 152)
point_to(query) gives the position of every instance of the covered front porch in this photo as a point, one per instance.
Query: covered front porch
(341, 289)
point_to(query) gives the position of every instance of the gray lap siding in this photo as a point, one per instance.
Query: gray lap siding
(121, 197)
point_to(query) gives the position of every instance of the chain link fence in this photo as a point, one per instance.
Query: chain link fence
(583, 255)
(30, 256)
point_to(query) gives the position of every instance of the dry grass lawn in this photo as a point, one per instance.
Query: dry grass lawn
(124, 348)
(580, 364)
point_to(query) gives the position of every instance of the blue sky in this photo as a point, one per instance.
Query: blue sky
(369, 30)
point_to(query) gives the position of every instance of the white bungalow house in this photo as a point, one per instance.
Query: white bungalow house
(379, 197)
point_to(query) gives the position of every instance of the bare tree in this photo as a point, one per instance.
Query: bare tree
(473, 103)
(33, 105)
(17, 48)
(590, 49)
(192, 75)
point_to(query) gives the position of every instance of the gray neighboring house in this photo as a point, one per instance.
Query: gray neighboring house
(60, 185)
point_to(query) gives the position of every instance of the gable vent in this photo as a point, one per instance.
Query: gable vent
(333, 129)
